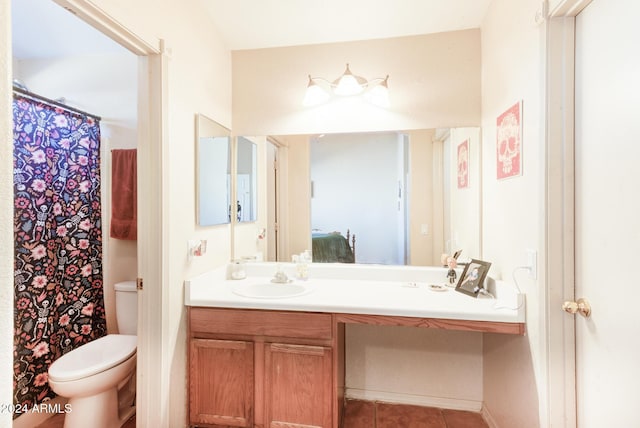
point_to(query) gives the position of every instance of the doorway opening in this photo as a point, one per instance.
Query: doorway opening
(148, 65)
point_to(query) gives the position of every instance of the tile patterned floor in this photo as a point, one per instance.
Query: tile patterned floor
(57, 421)
(368, 414)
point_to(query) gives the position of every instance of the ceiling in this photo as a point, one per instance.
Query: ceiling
(252, 24)
(41, 28)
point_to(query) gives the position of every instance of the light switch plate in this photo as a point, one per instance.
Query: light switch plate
(196, 247)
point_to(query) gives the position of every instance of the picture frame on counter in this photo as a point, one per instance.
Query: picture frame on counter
(472, 279)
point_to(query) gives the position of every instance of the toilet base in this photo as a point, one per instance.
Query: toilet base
(102, 400)
(98, 411)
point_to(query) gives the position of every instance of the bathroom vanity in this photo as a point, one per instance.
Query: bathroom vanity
(253, 367)
(259, 351)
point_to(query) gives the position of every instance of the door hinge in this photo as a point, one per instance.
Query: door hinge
(139, 283)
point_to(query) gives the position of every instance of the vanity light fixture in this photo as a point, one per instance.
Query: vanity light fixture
(320, 90)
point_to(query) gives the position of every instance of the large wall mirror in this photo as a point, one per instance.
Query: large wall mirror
(406, 197)
(213, 172)
(246, 180)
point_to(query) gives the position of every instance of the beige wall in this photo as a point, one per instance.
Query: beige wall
(422, 209)
(513, 209)
(431, 367)
(434, 81)
(199, 82)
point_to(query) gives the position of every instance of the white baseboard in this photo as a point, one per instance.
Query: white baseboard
(488, 417)
(418, 400)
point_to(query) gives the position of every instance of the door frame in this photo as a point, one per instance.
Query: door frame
(282, 199)
(152, 386)
(560, 404)
(273, 198)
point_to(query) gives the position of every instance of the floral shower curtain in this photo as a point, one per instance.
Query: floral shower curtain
(58, 241)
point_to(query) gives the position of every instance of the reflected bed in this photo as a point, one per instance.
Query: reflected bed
(333, 247)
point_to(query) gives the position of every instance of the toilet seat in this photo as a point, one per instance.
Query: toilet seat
(93, 357)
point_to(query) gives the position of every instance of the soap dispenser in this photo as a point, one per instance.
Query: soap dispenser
(237, 270)
(302, 269)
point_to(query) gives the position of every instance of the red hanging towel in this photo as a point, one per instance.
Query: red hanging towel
(124, 194)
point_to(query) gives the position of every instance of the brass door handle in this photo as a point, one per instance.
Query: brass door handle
(582, 306)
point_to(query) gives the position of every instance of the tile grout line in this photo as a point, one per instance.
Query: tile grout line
(444, 419)
(375, 414)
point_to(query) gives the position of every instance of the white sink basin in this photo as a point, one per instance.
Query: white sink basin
(271, 290)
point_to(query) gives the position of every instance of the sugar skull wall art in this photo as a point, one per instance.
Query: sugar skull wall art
(463, 165)
(509, 142)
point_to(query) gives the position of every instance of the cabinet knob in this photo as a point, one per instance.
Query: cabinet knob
(581, 306)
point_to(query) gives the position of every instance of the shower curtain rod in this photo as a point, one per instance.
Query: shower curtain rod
(51, 102)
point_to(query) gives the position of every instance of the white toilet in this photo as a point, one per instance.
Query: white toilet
(97, 377)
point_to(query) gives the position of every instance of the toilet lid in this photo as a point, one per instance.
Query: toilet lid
(93, 357)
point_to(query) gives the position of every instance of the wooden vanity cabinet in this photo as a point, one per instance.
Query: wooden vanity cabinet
(267, 369)
(221, 382)
(298, 385)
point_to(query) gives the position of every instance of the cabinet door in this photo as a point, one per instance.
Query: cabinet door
(298, 386)
(221, 382)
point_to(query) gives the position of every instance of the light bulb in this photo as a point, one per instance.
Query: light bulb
(379, 94)
(348, 84)
(315, 94)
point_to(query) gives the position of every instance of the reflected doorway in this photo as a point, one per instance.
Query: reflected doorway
(359, 185)
(272, 201)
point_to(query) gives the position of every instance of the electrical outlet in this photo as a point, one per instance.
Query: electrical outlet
(532, 263)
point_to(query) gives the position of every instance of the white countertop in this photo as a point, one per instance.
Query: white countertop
(358, 296)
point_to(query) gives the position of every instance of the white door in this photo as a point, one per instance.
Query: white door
(243, 197)
(607, 217)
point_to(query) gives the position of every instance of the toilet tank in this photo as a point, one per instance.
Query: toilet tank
(127, 307)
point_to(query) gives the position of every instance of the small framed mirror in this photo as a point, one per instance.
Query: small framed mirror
(213, 172)
(246, 180)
